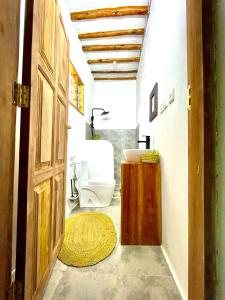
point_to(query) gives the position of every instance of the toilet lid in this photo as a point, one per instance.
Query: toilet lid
(100, 181)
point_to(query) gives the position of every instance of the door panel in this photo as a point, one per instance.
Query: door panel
(47, 146)
(61, 127)
(43, 217)
(47, 33)
(63, 63)
(44, 123)
(57, 209)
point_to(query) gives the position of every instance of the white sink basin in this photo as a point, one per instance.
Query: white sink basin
(133, 155)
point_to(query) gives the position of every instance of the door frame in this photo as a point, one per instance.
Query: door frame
(24, 144)
(9, 49)
(201, 190)
(210, 99)
(209, 165)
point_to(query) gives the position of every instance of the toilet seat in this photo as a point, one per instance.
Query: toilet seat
(100, 181)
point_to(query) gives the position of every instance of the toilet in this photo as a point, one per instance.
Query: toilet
(95, 173)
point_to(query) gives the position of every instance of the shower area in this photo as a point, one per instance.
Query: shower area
(112, 117)
(116, 121)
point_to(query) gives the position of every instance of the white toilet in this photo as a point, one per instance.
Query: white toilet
(95, 173)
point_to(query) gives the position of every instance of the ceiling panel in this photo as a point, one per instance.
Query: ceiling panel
(115, 67)
(111, 54)
(114, 40)
(115, 75)
(106, 24)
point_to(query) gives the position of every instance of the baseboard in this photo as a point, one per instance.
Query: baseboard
(117, 187)
(174, 274)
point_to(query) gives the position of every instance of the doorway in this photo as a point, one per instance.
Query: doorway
(209, 164)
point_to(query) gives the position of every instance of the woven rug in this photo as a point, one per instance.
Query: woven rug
(89, 238)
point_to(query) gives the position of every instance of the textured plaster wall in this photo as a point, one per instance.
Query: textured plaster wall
(220, 224)
(120, 139)
(164, 60)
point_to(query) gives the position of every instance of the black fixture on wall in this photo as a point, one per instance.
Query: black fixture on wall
(103, 112)
(147, 142)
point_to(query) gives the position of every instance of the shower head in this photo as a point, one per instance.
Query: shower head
(104, 113)
(101, 109)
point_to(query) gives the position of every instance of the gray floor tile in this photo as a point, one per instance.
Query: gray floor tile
(129, 273)
(93, 286)
(54, 281)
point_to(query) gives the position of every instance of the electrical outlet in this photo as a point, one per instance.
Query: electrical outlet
(172, 96)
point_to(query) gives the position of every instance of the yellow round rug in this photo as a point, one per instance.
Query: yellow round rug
(89, 238)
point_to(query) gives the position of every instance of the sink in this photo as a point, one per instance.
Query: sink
(134, 155)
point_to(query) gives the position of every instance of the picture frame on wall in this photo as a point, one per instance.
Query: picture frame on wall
(153, 105)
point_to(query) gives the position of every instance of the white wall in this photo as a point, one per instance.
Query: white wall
(78, 122)
(77, 133)
(164, 60)
(119, 98)
(78, 59)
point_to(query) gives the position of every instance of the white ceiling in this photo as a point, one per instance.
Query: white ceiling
(114, 40)
(108, 24)
(79, 5)
(117, 67)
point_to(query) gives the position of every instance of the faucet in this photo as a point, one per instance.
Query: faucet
(147, 142)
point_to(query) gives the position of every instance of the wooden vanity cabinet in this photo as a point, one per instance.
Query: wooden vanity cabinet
(140, 204)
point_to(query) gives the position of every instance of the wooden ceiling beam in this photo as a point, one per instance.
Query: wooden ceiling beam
(103, 34)
(115, 78)
(111, 60)
(109, 12)
(114, 72)
(114, 47)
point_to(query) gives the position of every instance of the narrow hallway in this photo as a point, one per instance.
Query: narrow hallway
(130, 272)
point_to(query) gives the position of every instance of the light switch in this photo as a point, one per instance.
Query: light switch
(163, 107)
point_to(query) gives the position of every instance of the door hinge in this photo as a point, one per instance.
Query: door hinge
(189, 97)
(15, 292)
(21, 95)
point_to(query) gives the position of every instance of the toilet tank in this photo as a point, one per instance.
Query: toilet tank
(99, 156)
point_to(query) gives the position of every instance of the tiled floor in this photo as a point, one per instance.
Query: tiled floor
(129, 273)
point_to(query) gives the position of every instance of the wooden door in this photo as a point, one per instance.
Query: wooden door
(43, 149)
(9, 45)
(196, 151)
